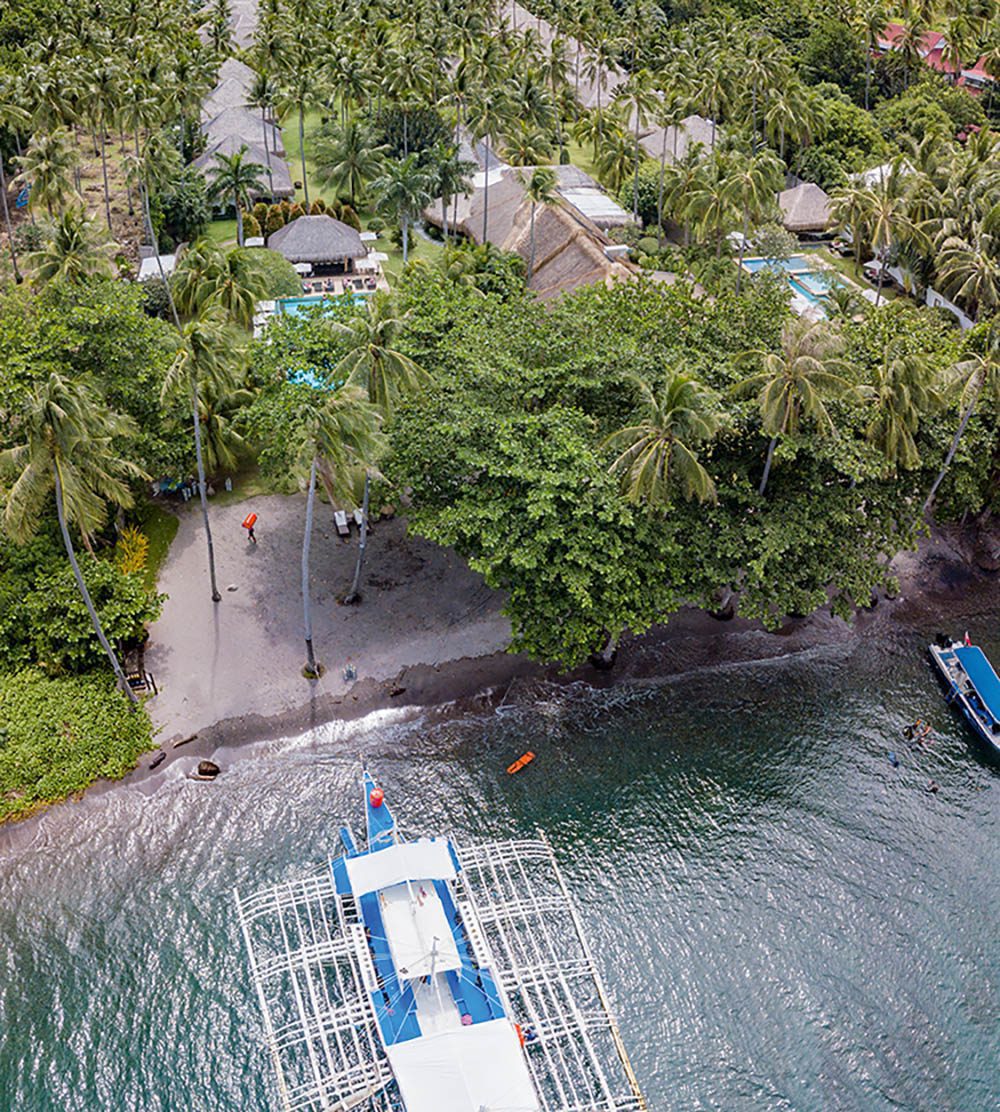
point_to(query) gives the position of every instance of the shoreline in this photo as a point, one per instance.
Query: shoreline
(940, 573)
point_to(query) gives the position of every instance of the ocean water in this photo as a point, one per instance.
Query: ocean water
(783, 919)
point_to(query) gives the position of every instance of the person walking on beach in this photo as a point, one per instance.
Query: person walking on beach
(248, 523)
(250, 535)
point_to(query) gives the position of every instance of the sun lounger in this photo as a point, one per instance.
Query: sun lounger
(358, 517)
(340, 520)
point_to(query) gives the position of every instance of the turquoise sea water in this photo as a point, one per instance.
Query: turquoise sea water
(784, 920)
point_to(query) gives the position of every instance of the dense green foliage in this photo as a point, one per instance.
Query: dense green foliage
(59, 735)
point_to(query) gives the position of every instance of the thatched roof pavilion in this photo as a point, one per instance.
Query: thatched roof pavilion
(806, 208)
(319, 240)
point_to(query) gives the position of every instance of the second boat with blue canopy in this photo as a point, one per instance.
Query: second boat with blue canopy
(973, 686)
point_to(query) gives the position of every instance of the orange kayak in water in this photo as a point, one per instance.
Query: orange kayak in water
(524, 759)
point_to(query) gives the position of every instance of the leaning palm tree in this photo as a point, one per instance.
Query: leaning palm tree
(657, 454)
(403, 189)
(208, 351)
(541, 190)
(904, 390)
(297, 92)
(638, 96)
(884, 211)
(232, 178)
(76, 250)
(340, 435)
(47, 167)
(970, 268)
(976, 374)
(796, 382)
(69, 450)
(348, 159)
(372, 359)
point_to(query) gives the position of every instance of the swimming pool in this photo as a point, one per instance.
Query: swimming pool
(298, 306)
(805, 278)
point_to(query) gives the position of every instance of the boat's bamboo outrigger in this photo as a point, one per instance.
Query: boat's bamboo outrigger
(416, 975)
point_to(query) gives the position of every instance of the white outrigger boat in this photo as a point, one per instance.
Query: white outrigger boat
(416, 975)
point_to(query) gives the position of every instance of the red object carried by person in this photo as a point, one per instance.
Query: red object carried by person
(249, 521)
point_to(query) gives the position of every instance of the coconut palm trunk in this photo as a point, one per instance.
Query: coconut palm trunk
(312, 669)
(486, 189)
(444, 217)
(302, 150)
(104, 172)
(7, 222)
(239, 219)
(267, 151)
(531, 250)
(85, 594)
(743, 246)
(406, 237)
(659, 193)
(354, 595)
(966, 416)
(216, 597)
(767, 465)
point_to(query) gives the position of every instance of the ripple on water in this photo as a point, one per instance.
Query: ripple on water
(784, 920)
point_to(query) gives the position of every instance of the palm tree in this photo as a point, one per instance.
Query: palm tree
(850, 209)
(904, 390)
(884, 213)
(658, 453)
(69, 451)
(208, 352)
(104, 94)
(487, 116)
(296, 92)
(206, 275)
(231, 177)
(751, 183)
(262, 94)
(340, 435)
(969, 269)
(403, 189)
(452, 177)
(978, 373)
(541, 190)
(870, 17)
(373, 360)
(526, 145)
(349, 159)
(47, 166)
(76, 250)
(796, 382)
(638, 96)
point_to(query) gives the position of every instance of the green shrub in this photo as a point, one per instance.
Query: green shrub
(286, 209)
(260, 211)
(648, 245)
(63, 638)
(350, 218)
(295, 212)
(318, 207)
(250, 225)
(275, 220)
(376, 225)
(278, 274)
(57, 736)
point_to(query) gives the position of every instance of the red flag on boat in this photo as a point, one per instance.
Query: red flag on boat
(967, 641)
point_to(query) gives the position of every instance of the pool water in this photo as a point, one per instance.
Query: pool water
(804, 276)
(298, 306)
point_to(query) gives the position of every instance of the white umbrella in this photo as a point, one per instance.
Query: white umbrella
(303, 268)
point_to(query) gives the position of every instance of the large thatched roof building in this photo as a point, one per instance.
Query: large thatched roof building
(806, 208)
(319, 240)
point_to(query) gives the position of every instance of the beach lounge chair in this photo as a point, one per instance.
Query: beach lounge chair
(340, 520)
(358, 517)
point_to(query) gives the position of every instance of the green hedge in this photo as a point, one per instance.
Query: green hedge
(57, 736)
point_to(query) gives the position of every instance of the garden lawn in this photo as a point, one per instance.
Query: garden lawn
(160, 528)
(57, 736)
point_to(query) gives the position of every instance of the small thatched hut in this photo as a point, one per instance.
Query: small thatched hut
(328, 244)
(806, 208)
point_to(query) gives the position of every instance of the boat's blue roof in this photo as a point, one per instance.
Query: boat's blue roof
(984, 679)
